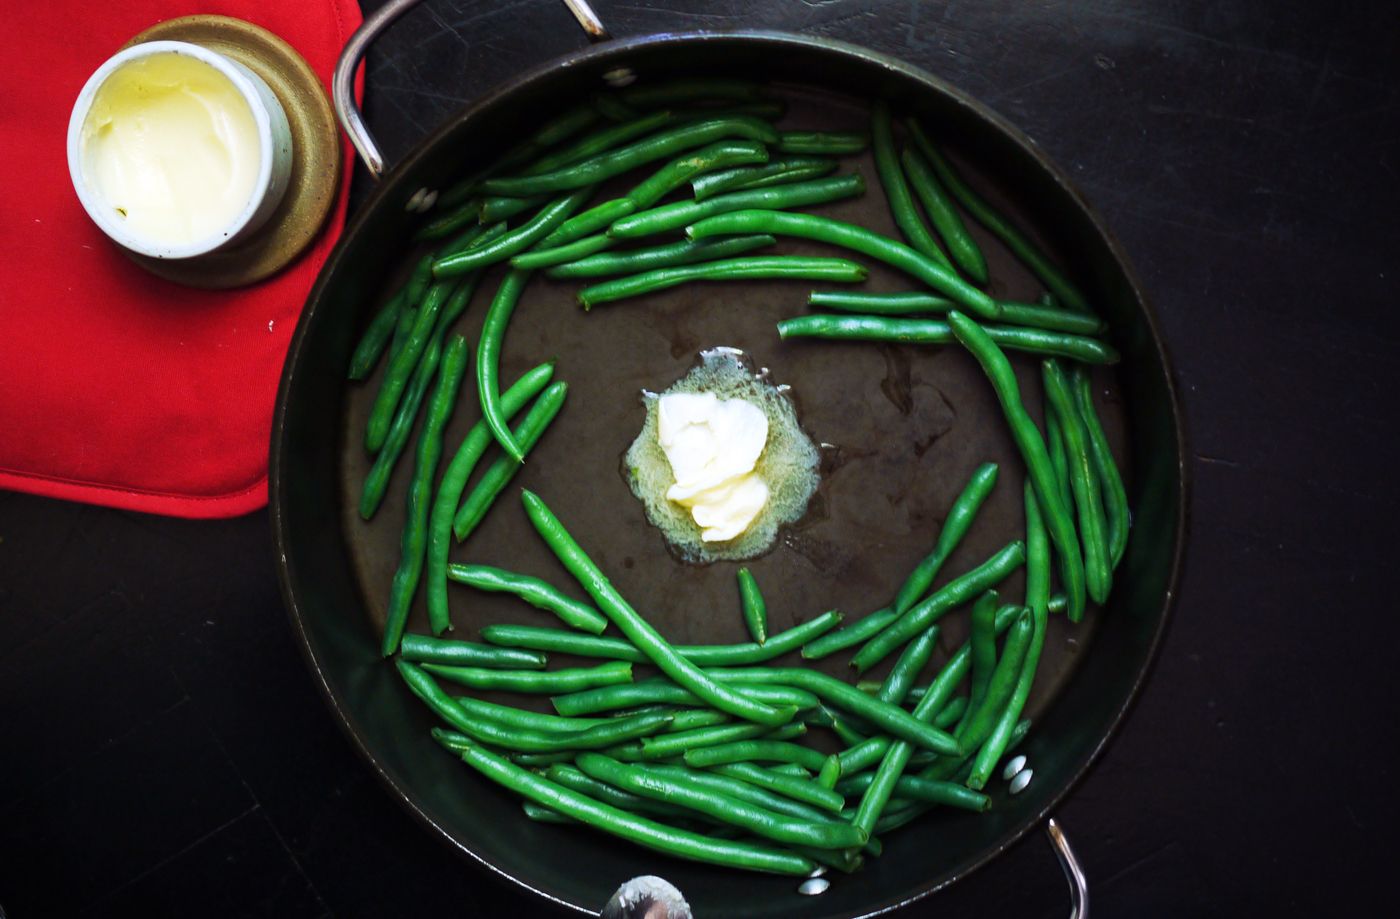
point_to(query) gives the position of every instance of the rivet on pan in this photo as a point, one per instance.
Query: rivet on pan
(1023, 778)
(817, 871)
(813, 887)
(619, 76)
(421, 201)
(1013, 767)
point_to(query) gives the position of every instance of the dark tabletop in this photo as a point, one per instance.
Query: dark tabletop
(164, 752)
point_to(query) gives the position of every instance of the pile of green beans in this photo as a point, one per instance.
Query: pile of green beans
(713, 758)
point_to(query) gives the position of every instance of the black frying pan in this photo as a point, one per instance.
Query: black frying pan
(908, 425)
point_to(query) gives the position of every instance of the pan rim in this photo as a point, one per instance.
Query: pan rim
(389, 189)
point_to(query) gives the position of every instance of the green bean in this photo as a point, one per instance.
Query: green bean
(733, 811)
(540, 814)
(901, 202)
(965, 252)
(754, 609)
(645, 692)
(942, 601)
(680, 214)
(462, 216)
(376, 337)
(635, 628)
(575, 251)
(540, 760)
(852, 634)
(454, 482)
(539, 594)
(889, 718)
(1038, 600)
(854, 237)
(632, 261)
(425, 648)
(401, 368)
(978, 727)
(407, 317)
(552, 132)
(830, 772)
(789, 786)
(620, 160)
(547, 639)
(1115, 497)
(906, 669)
(663, 746)
(537, 721)
(823, 142)
(646, 832)
(501, 207)
(572, 778)
(983, 642)
(775, 172)
(744, 791)
(689, 90)
(955, 526)
(488, 357)
(514, 736)
(600, 141)
(760, 750)
(683, 168)
(1031, 315)
(1059, 602)
(846, 733)
(413, 544)
(571, 679)
(792, 769)
(1055, 448)
(928, 791)
(598, 217)
(1057, 518)
(1098, 563)
(513, 241)
(687, 719)
(1019, 244)
(951, 714)
(938, 332)
(499, 473)
(731, 269)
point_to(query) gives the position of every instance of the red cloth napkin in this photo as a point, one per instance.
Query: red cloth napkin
(117, 387)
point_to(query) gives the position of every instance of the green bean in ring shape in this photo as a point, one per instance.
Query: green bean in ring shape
(575, 251)
(499, 473)
(754, 608)
(536, 682)
(850, 635)
(634, 261)
(901, 201)
(651, 691)
(955, 526)
(413, 544)
(1019, 244)
(648, 833)
(538, 593)
(775, 172)
(514, 241)
(1115, 496)
(857, 238)
(950, 596)
(1083, 481)
(615, 162)
(1013, 313)
(730, 269)
(566, 642)
(1038, 600)
(732, 811)
(454, 482)
(427, 649)
(635, 628)
(680, 214)
(963, 249)
(829, 143)
(755, 751)
(488, 357)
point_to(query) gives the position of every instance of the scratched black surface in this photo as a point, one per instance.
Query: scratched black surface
(165, 753)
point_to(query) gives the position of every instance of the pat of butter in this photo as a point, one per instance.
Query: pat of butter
(713, 445)
(172, 147)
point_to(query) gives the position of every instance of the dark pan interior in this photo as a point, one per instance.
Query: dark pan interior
(906, 427)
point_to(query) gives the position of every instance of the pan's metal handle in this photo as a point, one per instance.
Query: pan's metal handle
(343, 82)
(1074, 872)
